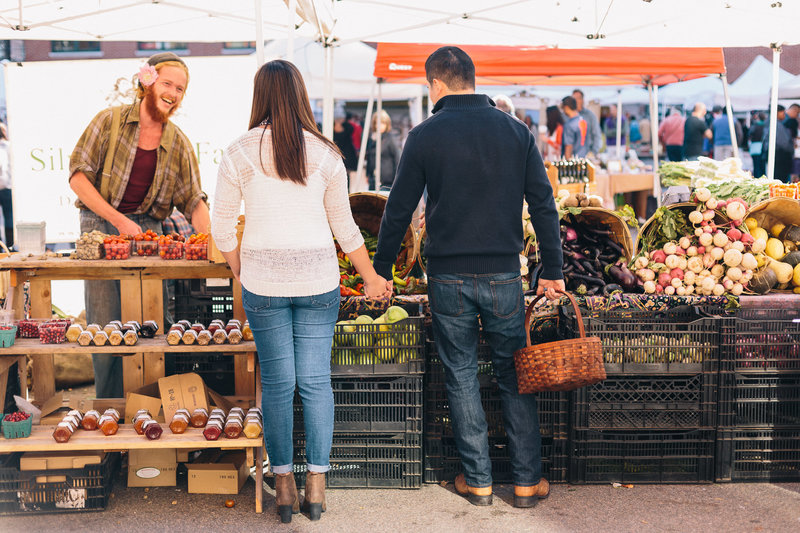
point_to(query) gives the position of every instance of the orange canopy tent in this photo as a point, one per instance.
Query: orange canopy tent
(517, 65)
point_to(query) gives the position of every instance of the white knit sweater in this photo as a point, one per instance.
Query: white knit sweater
(287, 246)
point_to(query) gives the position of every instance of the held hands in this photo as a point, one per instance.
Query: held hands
(378, 288)
(549, 288)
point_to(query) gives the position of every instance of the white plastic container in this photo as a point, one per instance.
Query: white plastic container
(30, 237)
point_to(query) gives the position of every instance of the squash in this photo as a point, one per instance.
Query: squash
(775, 249)
(759, 233)
(783, 271)
(790, 233)
(763, 281)
(793, 258)
(796, 275)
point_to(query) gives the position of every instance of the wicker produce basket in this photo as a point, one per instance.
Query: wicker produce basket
(560, 365)
(367, 209)
(686, 207)
(601, 217)
(775, 210)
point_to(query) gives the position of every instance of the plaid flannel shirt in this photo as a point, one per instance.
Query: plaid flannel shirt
(177, 177)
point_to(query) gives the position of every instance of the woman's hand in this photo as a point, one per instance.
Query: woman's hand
(378, 287)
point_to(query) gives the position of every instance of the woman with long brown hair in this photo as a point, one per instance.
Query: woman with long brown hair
(294, 187)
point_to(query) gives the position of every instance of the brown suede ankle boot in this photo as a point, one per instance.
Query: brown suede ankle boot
(314, 501)
(286, 499)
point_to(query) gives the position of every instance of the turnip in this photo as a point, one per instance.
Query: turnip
(758, 246)
(689, 277)
(708, 284)
(747, 239)
(670, 248)
(737, 289)
(732, 258)
(711, 203)
(641, 262)
(735, 210)
(735, 274)
(706, 239)
(717, 271)
(701, 194)
(680, 291)
(734, 234)
(658, 256)
(672, 261)
(727, 284)
(718, 290)
(676, 283)
(649, 287)
(701, 250)
(695, 217)
(695, 264)
(664, 279)
(720, 239)
(691, 251)
(709, 215)
(716, 254)
(683, 263)
(669, 290)
(689, 289)
(698, 231)
(645, 274)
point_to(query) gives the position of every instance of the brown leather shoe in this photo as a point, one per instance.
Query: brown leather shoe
(286, 498)
(528, 496)
(475, 495)
(314, 501)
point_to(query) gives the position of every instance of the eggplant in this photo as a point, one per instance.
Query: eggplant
(588, 279)
(611, 288)
(624, 277)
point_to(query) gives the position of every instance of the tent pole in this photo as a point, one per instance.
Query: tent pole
(729, 110)
(378, 140)
(619, 125)
(773, 108)
(653, 90)
(291, 28)
(259, 33)
(327, 99)
(362, 152)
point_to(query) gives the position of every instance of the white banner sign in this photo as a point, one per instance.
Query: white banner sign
(50, 103)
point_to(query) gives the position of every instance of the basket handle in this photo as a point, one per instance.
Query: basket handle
(529, 314)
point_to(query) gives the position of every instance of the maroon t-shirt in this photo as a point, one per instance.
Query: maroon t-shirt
(142, 174)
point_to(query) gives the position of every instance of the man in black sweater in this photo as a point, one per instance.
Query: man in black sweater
(478, 164)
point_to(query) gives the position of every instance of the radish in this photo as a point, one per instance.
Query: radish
(689, 277)
(702, 195)
(732, 258)
(669, 290)
(706, 239)
(680, 291)
(738, 245)
(716, 254)
(734, 234)
(736, 210)
(727, 284)
(735, 274)
(721, 204)
(683, 263)
(758, 246)
(689, 289)
(685, 242)
(670, 248)
(676, 273)
(701, 250)
(749, 261)
(645, 274)
(737, 289)
(717, 271)
(709, 260)
(695, 264)
(664, 279)
(676, 283)
(698, 231)
(747, 239)
(680, 251)
(718, 290)
(711, 203)
(709, 215)
(641, 262)
(658, 256)
(708, 284)
(659, 289)
(720, 239)
(695, 217)
(649, 287)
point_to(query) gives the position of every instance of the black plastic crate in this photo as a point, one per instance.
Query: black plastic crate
(379, 404)
(443, 462)
(644, 342)
(203, 309)
(759, 400)
(360, 461)
(387, 349)
(758, 454)
(199, 288)
(762, 340)
(78, 490)
(642, 457)
(647, 402)
(218, 371)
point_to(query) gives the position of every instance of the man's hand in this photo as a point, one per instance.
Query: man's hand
(126, 226)
(550, 288)
(377, 288)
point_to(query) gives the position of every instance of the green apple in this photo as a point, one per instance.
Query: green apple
(395, 314)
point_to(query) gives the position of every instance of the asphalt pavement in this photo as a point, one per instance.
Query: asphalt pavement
(737, 507)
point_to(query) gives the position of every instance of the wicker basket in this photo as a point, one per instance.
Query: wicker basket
(601, 217)
(560, 365)
(686, 207)
(367, 209)
(775, 210)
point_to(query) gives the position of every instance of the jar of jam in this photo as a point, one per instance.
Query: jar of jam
(213, 430)
(112, 413)
(89, 422)
(199, 417)
(198, 327)
(235, 336)
(185, 323)
(100, 338)
(179, 423)
(115, 338)
(108, 425)
(152, 429)
(139, 420)
(219, 336)
(189, 337)
(213, 327)
(204, 338)
(252, 428)
(218, 411)
(233, 428)
(63, 432)
(93, 328)
(77, 414)
(130, 337)
(108, 328)
(247, 333)
(184, 412)
(235, 410)
(149, 329)
(174, 337)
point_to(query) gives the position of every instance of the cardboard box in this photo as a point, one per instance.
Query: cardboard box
(152, 468)
(59, 460)
(147, 397)
(182, 391)
(215, 473)
(184, 453)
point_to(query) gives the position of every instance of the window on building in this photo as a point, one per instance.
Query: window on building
(162, 46)
(5, 50)
(239, 45)
(74, 46)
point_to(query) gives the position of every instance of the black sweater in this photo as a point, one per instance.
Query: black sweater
(478, 163)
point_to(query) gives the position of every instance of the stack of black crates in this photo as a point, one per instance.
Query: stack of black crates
(759, 403)
(376, 375)
(442, 460)
(654, 419)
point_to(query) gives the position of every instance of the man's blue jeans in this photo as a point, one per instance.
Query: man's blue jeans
(294, 337)
(456, 302)
(102, 301)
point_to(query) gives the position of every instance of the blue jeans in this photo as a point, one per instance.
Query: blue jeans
(456, 302)
(102, 302)
(294, 337)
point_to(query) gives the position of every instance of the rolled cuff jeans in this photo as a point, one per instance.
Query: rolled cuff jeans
(457, 300)
(102, 301)
(294, 337)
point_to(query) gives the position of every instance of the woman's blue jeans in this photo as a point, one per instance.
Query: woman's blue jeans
(456, 302)
(294, 338)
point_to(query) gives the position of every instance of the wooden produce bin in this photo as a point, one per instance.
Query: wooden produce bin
(573, 188)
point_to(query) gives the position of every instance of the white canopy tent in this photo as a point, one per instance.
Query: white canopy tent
(751, 90)
(687, 93)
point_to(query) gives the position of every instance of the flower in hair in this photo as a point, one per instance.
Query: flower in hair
(147, 75)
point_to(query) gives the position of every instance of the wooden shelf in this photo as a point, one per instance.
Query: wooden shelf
(156, 345)
(41, 440)
(18, 261)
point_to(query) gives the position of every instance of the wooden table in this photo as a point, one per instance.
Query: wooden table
(141, 299)
(641, 185)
